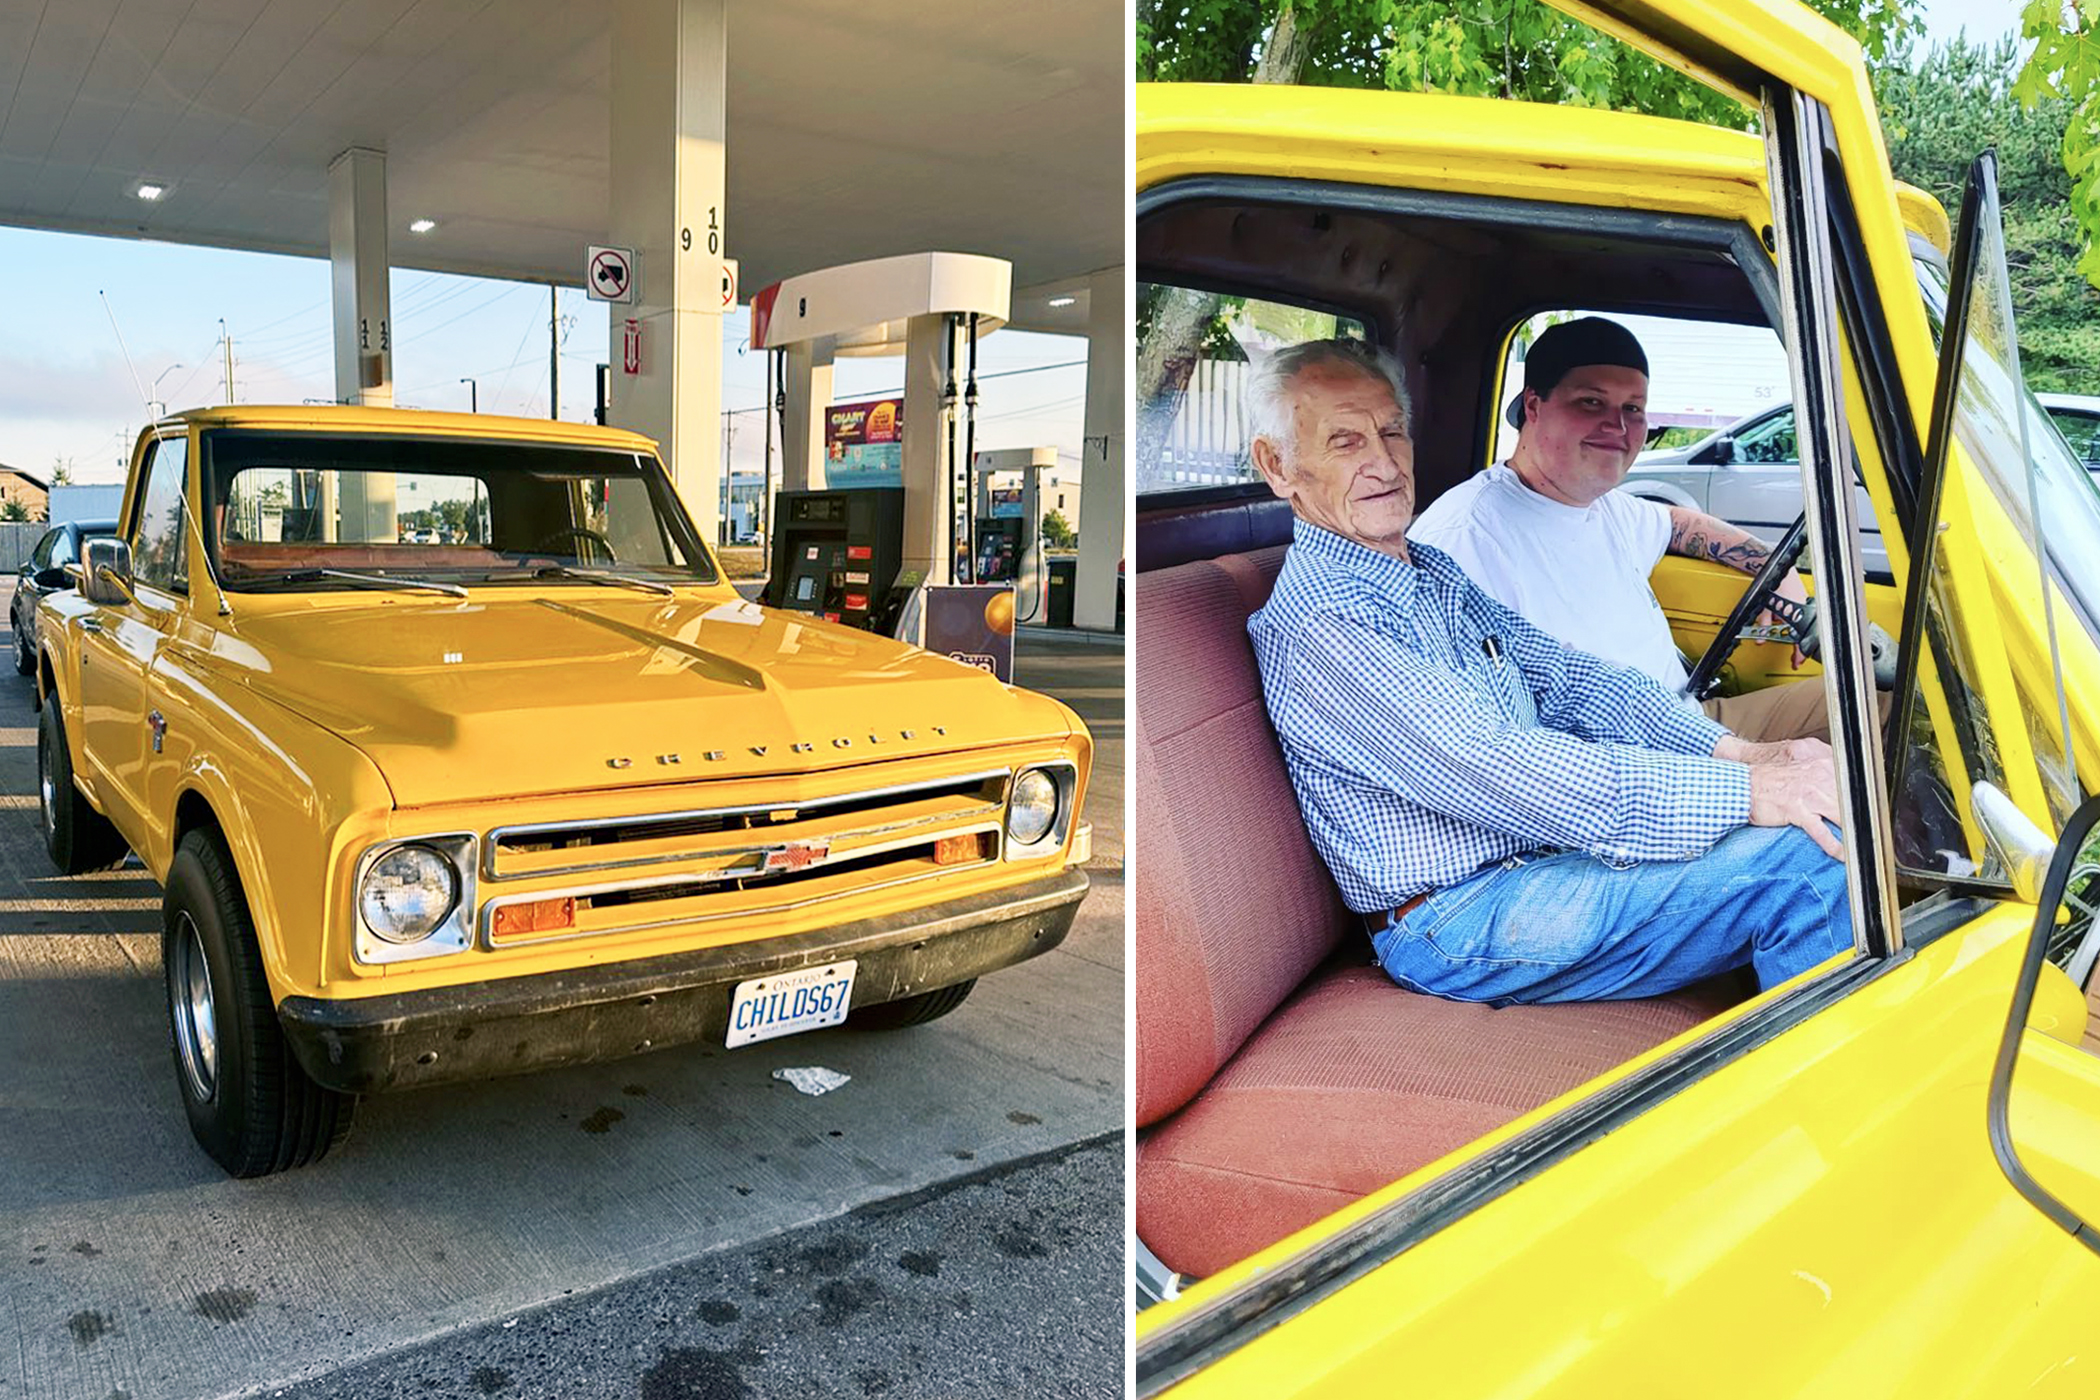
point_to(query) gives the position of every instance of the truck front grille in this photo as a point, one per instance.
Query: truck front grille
(734, 840)
(658, 869)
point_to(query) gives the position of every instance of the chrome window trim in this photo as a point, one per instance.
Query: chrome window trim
(1798, 135)
(496, 835)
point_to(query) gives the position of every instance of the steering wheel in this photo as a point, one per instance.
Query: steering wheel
(577, 532)
(1756, 598)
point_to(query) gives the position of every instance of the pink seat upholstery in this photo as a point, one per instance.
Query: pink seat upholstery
(1279, 1074)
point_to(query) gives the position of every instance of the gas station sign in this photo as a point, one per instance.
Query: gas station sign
(864, 444)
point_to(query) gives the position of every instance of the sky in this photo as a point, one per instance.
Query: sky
(1980, 20)
(75, 305)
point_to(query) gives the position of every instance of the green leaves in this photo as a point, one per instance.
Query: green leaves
(2062, 75)
(1520, 49)
(1938, 112)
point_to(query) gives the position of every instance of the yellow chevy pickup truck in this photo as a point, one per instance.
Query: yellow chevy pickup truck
(457, 756)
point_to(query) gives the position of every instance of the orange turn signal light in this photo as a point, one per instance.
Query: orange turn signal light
(962, 850)
(539, 916)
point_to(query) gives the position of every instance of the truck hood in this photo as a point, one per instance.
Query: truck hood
(517, 697)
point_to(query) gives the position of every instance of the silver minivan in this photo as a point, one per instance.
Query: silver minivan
(1748, 474)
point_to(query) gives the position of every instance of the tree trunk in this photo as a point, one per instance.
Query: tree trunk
(1284, 57)
(1168, 355)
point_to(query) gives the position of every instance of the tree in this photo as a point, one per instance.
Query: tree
(1938, 114)
(1492, 48)
(1058, 532)
(61, 471)
(1518, 49)
(12, 510)
(2065, 66)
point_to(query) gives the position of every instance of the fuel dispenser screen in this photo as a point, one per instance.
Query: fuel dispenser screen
(836, 553)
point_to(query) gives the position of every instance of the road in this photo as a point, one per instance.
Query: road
(131, 1268)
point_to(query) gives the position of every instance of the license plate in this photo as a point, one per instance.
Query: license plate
(805, 1000)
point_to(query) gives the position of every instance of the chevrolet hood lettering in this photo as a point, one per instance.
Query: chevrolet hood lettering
(759, 750)
(551, 679)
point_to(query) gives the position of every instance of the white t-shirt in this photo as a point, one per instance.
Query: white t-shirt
(1579, 573)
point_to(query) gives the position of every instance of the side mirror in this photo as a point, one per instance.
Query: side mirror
(53, 578)
(108, 573)
(1718, 453)
(2028, 1133)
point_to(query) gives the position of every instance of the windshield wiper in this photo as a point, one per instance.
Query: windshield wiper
(451, 590)
(646, 585)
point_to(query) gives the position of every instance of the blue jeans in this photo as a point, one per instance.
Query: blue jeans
(1571, 927)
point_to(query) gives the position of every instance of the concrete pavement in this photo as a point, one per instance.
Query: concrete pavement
(130, 1267)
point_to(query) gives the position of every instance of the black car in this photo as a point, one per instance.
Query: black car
(45, 572)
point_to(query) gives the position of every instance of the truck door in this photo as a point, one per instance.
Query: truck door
(119, 726)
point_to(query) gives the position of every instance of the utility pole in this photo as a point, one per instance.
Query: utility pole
(473, 394)
(553, 351)
(728, 475)
(227, 341)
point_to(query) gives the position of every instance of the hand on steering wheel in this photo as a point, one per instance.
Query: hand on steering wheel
(1769, 593)
(1792, 591)
(1763, 594)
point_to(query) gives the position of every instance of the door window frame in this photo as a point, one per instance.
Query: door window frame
(1225, 1323)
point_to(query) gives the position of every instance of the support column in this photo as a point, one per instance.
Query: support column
(802, 429)
(929, 533)
(669, 89)
(364, 335)
(1101, 485)
(357, 259)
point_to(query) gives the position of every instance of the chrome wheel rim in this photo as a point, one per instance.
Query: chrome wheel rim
(46, 789)
(196, 1019)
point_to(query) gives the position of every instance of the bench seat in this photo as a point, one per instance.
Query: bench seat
(1280, 1075)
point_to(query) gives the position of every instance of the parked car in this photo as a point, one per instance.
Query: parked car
(2077, 417)
(1879, 1178)
(1748, 474)
(47, 570)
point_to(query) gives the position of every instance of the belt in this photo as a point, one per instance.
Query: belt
(1379, 920)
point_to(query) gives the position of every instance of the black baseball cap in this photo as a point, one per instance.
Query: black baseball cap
(1570, 345)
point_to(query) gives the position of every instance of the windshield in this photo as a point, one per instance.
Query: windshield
(284, 508)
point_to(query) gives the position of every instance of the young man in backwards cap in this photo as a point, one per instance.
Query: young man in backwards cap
(1546, 535)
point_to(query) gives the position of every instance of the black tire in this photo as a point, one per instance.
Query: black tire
(910, 1011)
(78, 837)
(252, 1108)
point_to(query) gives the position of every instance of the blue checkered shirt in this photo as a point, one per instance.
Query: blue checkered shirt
(1430, 731)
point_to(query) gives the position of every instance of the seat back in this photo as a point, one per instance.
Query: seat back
(1234, 907)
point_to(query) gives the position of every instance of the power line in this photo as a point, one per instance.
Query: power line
(305, 311)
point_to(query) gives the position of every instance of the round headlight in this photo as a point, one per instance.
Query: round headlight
(1033, 807)
(407, 893)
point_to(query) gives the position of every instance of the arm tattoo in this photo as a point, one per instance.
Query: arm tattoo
(1701, 536)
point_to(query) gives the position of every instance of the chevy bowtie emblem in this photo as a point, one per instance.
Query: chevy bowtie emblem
(795, 855)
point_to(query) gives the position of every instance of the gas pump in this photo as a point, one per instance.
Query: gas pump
(931, 307)
(835, 554)
(1006, 516)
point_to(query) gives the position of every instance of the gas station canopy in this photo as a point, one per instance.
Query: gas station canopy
(852, 133)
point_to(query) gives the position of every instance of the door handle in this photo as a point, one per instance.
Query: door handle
(91, 624)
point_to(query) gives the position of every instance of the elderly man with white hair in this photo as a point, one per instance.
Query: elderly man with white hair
(1517, 821)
